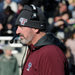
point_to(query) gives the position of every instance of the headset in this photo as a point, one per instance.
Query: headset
(34, 15)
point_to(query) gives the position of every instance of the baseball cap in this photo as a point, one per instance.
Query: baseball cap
(31, 16)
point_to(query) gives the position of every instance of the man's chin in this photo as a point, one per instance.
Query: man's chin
(23, 41)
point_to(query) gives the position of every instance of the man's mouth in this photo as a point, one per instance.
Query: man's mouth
(21, 36)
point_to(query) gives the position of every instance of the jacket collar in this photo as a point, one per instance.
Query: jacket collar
(48, 39)
(45, 40)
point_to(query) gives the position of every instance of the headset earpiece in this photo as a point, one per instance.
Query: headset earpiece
(34, 15)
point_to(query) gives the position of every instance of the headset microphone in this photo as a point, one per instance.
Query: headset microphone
(15, 36)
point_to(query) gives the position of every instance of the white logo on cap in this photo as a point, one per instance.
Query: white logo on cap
(22, 21)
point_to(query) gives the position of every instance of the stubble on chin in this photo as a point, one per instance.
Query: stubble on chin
(25, 41)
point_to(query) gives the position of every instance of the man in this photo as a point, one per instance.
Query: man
(46, 55)
(8, 63)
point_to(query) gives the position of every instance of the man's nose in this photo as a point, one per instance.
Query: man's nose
(17, 30)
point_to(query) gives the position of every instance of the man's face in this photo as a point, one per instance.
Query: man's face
(26, 34)
(8, 52)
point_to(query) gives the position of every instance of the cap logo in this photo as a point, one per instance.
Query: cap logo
(22, 21)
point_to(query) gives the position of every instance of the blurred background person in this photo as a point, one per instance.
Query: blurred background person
(1, 25)
(1, 50)
(71, 5)
(10, 18)
(1, 29)
(9, 30)
(70, 42)
(1, 6)
(8, 63)
(12, 4)
(20, 7)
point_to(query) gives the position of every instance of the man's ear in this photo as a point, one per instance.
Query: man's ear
(35, 30)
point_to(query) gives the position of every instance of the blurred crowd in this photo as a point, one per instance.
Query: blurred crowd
(60, 18)
(9, 10)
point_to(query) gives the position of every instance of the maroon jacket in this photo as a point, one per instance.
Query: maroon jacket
(46, 60)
